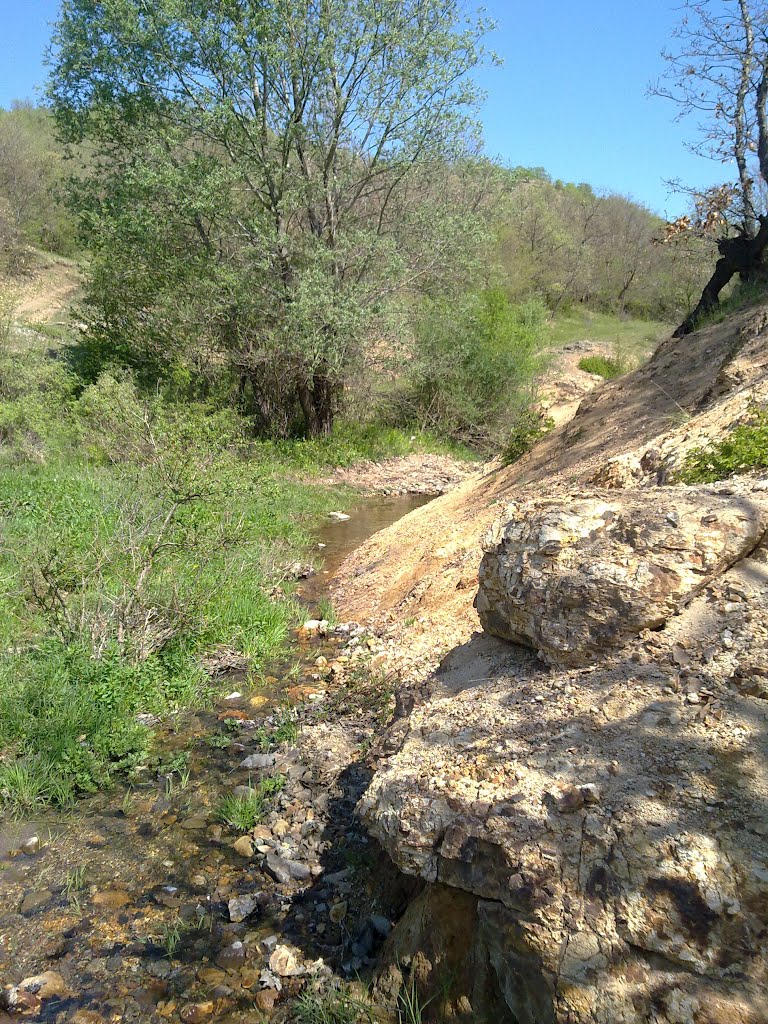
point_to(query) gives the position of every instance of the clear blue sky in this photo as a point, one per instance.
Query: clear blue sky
(571, 96)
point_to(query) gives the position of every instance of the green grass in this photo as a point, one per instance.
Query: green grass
(137, 536)
(333, 1006)
(745, 448)
(282, 729)
(603, 366)
(243, 811)
(634, 340)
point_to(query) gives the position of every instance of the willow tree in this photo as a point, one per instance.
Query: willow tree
(268, 174)
(718, 75)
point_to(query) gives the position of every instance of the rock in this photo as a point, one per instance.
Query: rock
(339, 517)
(259, 761)
(574, 579)
(241, 907)
(380, 924)
(283, 870)
(31, 846)
(244, 846)
(284, 963)
(315, 626)
(197, 1013)
(45, 985)
(338, 912)
(266, 999)
(34, 900)
(231, 957)
(112, 899)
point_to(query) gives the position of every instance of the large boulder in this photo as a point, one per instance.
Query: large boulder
(574, 577)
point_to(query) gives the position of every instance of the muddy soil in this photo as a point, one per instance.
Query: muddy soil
(141, 904)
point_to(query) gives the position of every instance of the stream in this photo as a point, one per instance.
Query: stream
(136, 905)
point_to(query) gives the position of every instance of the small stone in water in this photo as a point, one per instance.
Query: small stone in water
(241, 907)
(243, 846)
(338, 912)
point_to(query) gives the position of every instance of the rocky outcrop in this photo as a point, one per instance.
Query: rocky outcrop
(572, 577)
(611, 823)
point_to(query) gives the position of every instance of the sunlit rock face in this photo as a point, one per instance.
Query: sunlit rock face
(572, 579)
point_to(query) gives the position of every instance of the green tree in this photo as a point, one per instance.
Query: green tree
(269, 177)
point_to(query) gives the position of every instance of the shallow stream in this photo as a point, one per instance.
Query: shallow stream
(129, 899)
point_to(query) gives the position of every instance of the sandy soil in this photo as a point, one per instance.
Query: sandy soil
(423, 570)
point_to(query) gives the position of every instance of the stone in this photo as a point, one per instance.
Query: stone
(284, 963)
(31, 846)
(231, 957)
(197, 1013)
(265, 999)
(244, 847)
(45, 985)
(112, 899)
(241, 907)
(34, 900)
(339, 517)
(259, 761)
(283, 869)
(338, 912)
(574, 579)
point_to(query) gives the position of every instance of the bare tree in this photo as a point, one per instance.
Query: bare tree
(719, 75)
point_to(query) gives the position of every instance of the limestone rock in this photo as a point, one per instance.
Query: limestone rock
(572, 579)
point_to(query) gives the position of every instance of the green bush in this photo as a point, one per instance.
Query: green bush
(530, 427)
(474, 367)
(603, 366)
(745, 448)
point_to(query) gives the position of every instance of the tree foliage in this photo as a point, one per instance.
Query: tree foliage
(268, 179)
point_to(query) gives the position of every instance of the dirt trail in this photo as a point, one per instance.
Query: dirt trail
(47, 290)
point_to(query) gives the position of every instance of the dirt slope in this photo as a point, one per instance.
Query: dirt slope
(423, 570)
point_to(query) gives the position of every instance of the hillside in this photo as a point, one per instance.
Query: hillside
(591, 822)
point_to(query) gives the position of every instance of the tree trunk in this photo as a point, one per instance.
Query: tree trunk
(743, 256)
(318, 406)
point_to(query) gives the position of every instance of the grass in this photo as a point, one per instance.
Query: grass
(745, 448)
(282, 729)
(333, 1006)
(633, 339)
(243, 812)
(137, 536)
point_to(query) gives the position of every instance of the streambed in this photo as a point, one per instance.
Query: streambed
(137, 901)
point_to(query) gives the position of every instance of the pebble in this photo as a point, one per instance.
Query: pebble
(32, 845)
(231, 957)
(338, 912)
(241, 907)
(284, 963)
(243, 846)
(196, 1013)
(258, 761)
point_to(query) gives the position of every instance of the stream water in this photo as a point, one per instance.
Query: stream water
(137, 899)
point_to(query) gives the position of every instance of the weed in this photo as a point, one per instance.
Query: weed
(283, 729)
(217, 741)
(603, 366)
(325, 610)
(74, 884)
(171, 936)
(244, 811)
(529, 428)
(333, 1006)
(743, 449)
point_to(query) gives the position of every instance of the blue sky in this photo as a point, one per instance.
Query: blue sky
(571, 96)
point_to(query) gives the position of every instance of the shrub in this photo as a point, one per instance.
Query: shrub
(603, 366)
(745, 448)
(474, 366)
(530, 427)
